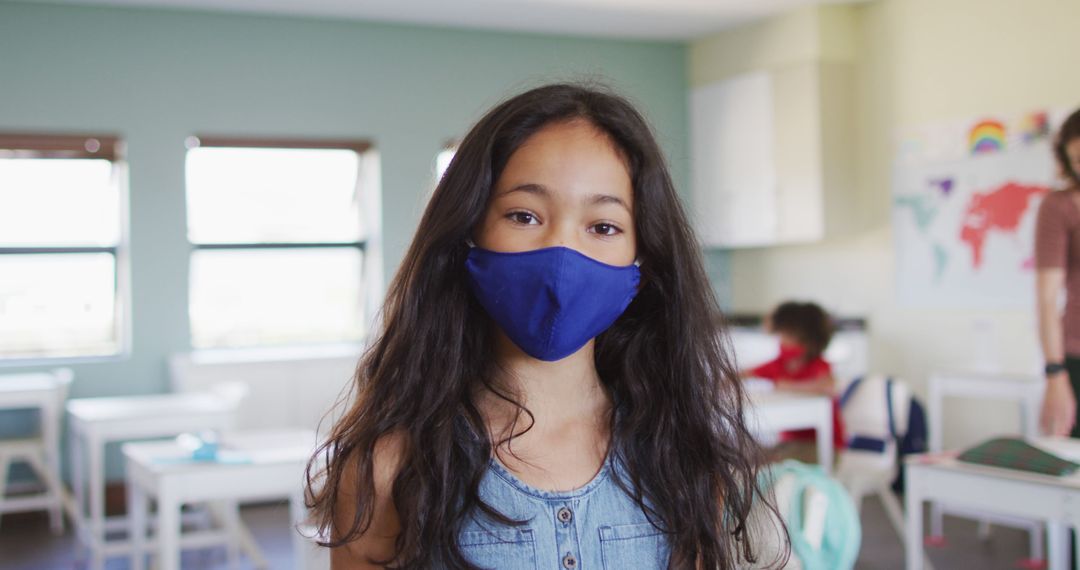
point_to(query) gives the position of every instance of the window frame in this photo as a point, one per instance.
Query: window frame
(98, 146)
(367, 246)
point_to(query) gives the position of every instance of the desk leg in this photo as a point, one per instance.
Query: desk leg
(297, 515)
(825, 442)
(230, 518)
(95, 451)
(50, 425)
(934, 427)
(168, 529)
(934, 402)
(240, 538)
(78, 487)
(1076, 543)
(913, 533)
(937, 520)
(1057, 535)
(138, 513)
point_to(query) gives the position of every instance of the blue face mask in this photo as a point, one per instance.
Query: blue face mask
(550, 301)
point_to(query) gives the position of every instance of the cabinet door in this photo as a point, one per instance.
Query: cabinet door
(733, 162)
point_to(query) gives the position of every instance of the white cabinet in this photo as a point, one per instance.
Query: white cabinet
(733, 161)
(770, 155)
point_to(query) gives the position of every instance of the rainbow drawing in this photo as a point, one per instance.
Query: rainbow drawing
(986, 136)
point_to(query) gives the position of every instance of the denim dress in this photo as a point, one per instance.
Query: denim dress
(595, 527)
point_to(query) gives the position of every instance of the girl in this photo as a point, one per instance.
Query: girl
(804, 330)
(550, 387)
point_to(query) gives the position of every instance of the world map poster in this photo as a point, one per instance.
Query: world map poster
(965, 197)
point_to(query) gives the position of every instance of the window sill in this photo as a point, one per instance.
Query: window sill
(276, 353)
(59, 361)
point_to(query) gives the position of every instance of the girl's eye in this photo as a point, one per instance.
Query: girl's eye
(523, 218)
(606, 229)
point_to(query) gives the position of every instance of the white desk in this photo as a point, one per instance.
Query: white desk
(1025, 390)
(42, 391)
(777, 411)
(98, 421)
(274, 467)
(1055, 500)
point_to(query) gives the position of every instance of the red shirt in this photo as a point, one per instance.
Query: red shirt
(788, 366)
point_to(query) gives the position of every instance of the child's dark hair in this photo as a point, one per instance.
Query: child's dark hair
(1070, 131)
(807, 322)
(677, 423)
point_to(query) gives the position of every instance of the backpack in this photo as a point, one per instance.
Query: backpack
(822, 521)
(896, 428)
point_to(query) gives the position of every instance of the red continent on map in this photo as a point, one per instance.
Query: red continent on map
(999, 209)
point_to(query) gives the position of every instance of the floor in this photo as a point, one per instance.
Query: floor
(882, 549)
(26, 544)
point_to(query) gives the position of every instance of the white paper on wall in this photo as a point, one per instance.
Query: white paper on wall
(965, 197)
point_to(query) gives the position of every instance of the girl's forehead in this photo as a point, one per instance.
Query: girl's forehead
(568, 157)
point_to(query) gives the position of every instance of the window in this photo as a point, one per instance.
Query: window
(282, 241)
(442, 160)
(61, 246)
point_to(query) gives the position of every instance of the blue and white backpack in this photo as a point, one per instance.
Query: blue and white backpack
(882, 418)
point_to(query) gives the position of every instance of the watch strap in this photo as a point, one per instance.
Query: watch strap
(1052, 368)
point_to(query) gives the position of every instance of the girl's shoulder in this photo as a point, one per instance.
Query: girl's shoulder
(377, 541)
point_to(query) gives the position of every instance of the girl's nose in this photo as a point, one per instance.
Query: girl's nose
(563, 235)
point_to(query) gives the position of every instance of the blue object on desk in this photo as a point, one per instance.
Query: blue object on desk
(207, 451)
(204, 448)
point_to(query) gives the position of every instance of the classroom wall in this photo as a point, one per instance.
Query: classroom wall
(158, 76)
(917, 61)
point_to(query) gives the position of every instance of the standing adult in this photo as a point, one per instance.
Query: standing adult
(1057, 263)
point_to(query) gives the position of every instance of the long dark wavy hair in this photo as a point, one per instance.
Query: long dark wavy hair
(677, 423)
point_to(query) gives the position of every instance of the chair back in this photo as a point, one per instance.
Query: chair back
(63, 378)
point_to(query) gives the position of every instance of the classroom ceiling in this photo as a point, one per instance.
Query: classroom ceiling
(633, 19)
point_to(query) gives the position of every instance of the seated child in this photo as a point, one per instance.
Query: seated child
(804, 330)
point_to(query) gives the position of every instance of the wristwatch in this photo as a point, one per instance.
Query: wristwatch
(1053, 368)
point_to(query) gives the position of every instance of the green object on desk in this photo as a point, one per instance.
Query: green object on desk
(1014, 453)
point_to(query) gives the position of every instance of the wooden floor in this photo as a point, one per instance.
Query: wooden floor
(26, 544)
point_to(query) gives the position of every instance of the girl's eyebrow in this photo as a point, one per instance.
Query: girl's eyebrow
(607, 199)
(544, 192)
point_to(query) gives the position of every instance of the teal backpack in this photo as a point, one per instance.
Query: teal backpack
(821, 518)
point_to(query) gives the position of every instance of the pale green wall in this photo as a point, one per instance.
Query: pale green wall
(157, 76)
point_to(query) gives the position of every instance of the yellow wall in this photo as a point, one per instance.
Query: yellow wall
(809, 34)
(917, 61)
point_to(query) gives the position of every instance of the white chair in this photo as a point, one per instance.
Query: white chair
(47, 393)
(862, 469)
(869, 464)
